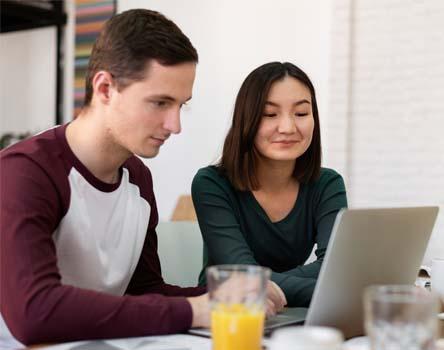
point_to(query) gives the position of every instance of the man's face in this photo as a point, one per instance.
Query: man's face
(142, 116)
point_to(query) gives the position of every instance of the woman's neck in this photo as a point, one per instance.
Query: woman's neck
(275, 176)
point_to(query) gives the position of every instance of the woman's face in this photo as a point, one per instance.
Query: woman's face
(286, 129)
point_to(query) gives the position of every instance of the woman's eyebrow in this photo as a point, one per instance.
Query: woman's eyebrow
(297, 103)
(301, 102)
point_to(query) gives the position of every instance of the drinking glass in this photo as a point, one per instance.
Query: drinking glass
(400, 317)
(237, 299)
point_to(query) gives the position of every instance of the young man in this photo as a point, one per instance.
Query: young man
(78, 213)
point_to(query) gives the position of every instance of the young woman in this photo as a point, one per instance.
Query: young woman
(268, 201)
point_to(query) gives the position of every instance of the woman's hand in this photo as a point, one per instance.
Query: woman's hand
(276, 299)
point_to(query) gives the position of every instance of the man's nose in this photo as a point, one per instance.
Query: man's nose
(172, 122)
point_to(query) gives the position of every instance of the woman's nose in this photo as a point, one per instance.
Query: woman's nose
(287, 124)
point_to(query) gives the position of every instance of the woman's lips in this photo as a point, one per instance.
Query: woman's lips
(286, 142)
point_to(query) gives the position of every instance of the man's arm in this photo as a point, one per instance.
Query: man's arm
(35, 305)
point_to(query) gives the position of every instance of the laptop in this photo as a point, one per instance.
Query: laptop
(367, 246)
(289, 316)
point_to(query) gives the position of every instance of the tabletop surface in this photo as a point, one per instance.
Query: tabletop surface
(184, 342)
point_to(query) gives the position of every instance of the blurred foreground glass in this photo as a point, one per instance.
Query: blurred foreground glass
(306, 338)
(400, 317)
(237, 297)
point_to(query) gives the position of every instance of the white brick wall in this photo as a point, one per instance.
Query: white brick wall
(336, 142)
(386, 122)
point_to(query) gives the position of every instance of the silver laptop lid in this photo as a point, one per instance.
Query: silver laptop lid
(367, 246)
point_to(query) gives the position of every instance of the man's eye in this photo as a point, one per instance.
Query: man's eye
(159, 103)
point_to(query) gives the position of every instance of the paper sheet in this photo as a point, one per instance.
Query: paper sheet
(166, 342)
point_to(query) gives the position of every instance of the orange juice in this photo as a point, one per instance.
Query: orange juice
(236, 327)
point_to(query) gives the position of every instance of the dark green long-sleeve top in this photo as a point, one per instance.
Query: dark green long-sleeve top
(236, 230)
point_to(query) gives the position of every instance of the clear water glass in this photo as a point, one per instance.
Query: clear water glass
(400, 317)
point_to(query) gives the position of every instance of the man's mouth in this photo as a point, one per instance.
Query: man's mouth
(159, 140)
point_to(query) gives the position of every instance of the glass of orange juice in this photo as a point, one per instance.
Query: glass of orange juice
(237, 297)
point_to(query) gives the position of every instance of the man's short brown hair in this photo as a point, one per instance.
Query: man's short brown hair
(129, 40)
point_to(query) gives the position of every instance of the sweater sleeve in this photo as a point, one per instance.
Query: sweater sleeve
(330, 197)
(35, 305)
(221, 232)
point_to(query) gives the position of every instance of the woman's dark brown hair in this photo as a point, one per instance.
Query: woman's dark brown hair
(239, 156)
(129, 41)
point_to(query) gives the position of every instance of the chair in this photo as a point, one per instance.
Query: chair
(180, 249)
(184, 210)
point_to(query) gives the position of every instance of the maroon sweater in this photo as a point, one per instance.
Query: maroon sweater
(79, 256)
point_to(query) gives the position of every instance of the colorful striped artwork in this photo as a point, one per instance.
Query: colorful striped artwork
(90, 17)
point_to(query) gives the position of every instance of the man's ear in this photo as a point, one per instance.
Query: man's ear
(103, 86)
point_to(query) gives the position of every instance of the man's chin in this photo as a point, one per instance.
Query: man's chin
(148, 154)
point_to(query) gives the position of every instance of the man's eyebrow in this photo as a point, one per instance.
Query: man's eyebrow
(165, 97)
(297, 103)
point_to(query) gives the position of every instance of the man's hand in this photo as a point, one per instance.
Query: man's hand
(201, 310)
(201, 307)
(275, 299)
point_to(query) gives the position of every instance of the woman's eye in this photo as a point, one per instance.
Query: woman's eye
(269, 115)
(301, 114)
